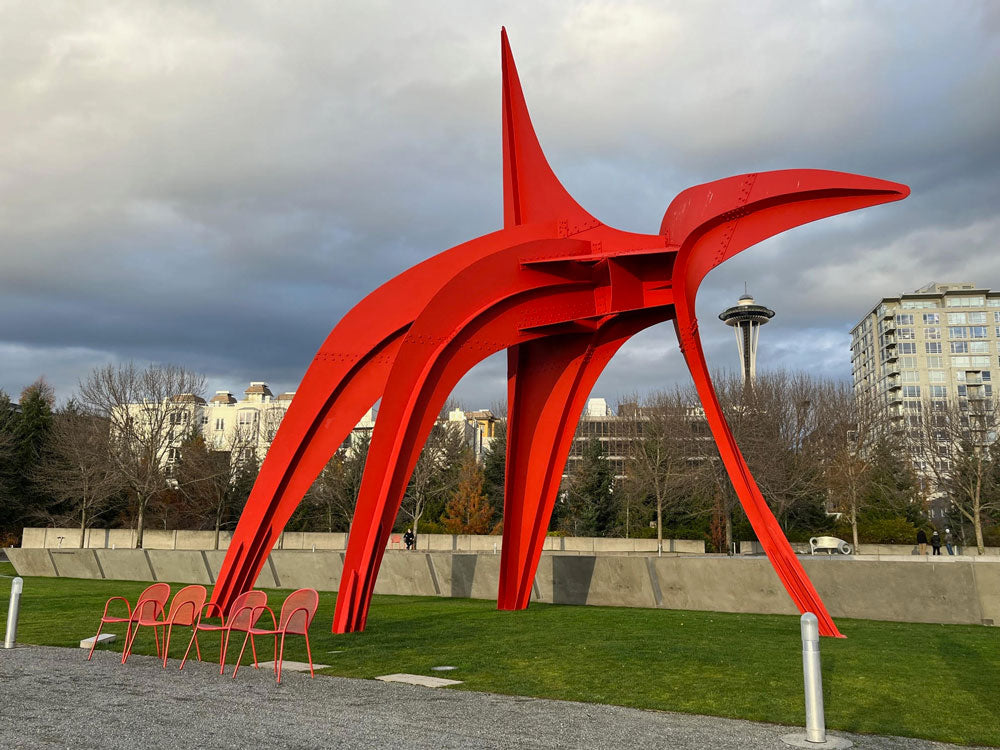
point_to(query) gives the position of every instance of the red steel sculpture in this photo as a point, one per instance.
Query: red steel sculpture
(561, 292)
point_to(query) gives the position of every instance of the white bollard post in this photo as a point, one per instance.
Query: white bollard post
(813, 674)
(12, 612)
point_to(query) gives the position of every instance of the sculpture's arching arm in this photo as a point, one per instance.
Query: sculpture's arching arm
(347, 376)
(711, 223)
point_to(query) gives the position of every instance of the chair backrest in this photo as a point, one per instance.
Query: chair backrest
(298, 610)
(243, 614)
(186, 605)
(152, 601)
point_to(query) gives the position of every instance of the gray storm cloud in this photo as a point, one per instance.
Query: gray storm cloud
(216, 184)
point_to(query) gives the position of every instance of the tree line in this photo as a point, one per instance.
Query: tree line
(118, 453)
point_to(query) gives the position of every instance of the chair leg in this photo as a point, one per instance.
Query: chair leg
(194, 639)
(94, 644)
(128, 644)
(156, 637)
(130, 633)
(309, 655)
(253, 648)
(281, 657)
(274, 659)
(166, 644)
(223, 647)
(197, 648)
(240, 657)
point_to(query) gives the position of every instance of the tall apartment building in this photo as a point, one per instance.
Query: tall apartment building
(937, 343)
(934, 347)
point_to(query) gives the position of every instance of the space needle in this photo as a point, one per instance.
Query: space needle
(746, 318)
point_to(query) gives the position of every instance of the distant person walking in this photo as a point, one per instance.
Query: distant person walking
(936, 542)
(922, 541)
(409, 540)
(949, 540)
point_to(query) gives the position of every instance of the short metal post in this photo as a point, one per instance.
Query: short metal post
(12, 612)
(813, 674)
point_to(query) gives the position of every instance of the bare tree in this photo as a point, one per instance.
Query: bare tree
(853, 427)
(207, 475)
(149, 410)
(77, 469)
(956, 444)
(335, 491)
(662, 453)
(776, 425)
(436, 471)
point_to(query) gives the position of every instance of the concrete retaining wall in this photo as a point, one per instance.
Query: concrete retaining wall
(64, 538)
(906, 589)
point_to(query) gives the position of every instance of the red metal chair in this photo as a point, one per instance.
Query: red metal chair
(184, 609)
(244, 614)
(296, 616)
(152, 599)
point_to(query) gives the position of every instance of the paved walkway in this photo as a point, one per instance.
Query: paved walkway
(54, 698)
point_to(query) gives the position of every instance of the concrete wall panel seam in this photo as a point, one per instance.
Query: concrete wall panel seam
(434, 578)
(654, 581)
(208, 567)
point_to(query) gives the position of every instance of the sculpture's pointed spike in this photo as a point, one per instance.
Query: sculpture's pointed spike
(531, 191)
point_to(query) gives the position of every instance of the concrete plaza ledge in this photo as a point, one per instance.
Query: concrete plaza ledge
(948, 590)
(67, 538)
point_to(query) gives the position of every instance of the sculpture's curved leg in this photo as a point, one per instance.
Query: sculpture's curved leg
(549, 381)
(757, 206)
(329, 403)
(512, 304)
(346, 377)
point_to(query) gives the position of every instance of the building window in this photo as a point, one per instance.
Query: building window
(904, 319)
(980, 361)
(932, 319)
(916, 304)
(932, 347)
(912, 405)
(994, 302)
(905, 333)
(911, 376)
(939, 391)
(977, 332)
(204, 419)
(936, 376)
(956, 332)
(963, 390)
(908, 363)
(246, 417)
(932, 333)
(964, 302)
(959, 347)
(977, 317)
(979, 347)
(911, 391)
(957, 318)
(220, 424)
(986, 376)
(907, 347)
(171, 455)
(935, 362)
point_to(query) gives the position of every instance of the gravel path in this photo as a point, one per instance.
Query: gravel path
(54, 698)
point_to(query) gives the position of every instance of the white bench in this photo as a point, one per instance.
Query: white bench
(829, 544)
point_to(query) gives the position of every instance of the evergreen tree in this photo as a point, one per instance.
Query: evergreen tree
(590, 508)
(31, 431)
(495, 471)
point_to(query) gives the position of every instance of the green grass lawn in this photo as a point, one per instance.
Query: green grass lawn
(938, 682)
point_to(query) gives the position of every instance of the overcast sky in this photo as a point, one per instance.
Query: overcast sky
(215, 184)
